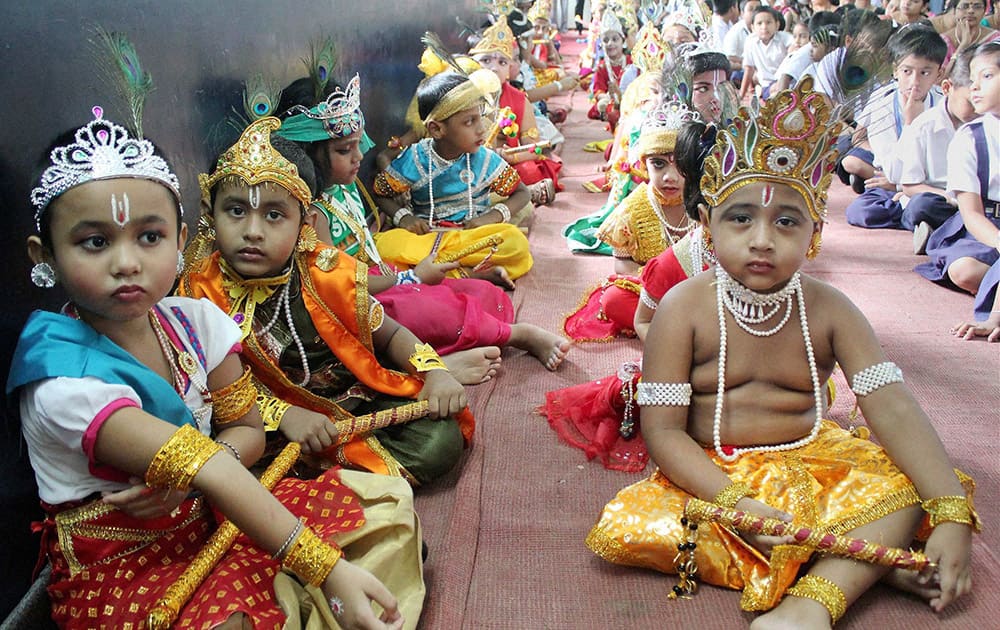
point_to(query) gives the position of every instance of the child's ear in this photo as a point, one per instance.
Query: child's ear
(703, 213)
(435, 130)
(182, 236)
(37, 252)
(309, 217)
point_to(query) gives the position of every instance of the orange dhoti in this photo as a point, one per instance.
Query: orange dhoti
(835, 484)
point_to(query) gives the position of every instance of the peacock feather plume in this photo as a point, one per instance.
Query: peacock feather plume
(118, 61)
(321, 64)
(261, 97)
(434, 44)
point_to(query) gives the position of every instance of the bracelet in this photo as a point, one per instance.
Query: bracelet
(875, 377)
(952, 509)
(729, 496)
(272, 410)
(395, 143)
(236, 452)
(504, 211)
(233, 401)
(823, 591)
(288, 541)
(180, 458)
(663, 394)
(407, 277)
(648, 300)
(425, 358)
(310, 558)
(398, 216)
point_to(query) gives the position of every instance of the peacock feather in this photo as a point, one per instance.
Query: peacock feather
(119, 63)
(436, 46)
(321, 64)
(261, 97)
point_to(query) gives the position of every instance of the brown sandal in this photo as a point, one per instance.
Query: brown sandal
(543, 192)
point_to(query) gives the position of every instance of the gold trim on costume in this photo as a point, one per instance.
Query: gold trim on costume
(463, 96)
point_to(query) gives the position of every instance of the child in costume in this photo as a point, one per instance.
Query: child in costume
(464, 319)
(605, 89)
(966, 245)
(516, 124)
(728, 426)
(127, 383)
(450, 175)
(310, 329)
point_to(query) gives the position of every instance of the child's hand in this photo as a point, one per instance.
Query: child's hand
(141, 501)
(487, 218)
(879, 180)
(431, 272)
(445, 396)
(414, 224)
(356, 588)
(313, 431)
(990, 328)
(764, 544)
(911, 107)
(950, 546)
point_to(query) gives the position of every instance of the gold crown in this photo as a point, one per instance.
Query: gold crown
(650, 49)
(790, 140)
(254, 160)
(498, 38)
(541, 9)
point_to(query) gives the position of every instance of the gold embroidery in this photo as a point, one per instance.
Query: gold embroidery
(327, 259)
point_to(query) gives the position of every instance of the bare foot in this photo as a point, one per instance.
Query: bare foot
(497, 275)
(794, 613)
(547, 347)
(473, 366)
(908, 582)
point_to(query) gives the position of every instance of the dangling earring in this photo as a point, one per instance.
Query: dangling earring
(706, 236)
(307, 239)
(180, 262)
(43, 276)
(814, 246)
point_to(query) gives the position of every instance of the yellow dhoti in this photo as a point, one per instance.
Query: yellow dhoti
(836, 483)
(404, 249)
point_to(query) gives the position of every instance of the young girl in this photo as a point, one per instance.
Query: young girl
(450, 175)
(605, 90)
(967, 243)
(311, 332)
(733, 412)
(119, 393)
(464, 319)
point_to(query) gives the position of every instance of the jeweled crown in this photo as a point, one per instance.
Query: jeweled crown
(611, 24)
(658, 135)
(650, 49)
(497, 38)
(255, 161)
(790, 140)
(101, 150)
(340, 112)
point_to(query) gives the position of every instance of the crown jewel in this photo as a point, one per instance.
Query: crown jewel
(789, 141)
(101, 150)
(340, 112)
(498, 38)
(611, 24)
(254, 160)
(650, 49)
(658, 135)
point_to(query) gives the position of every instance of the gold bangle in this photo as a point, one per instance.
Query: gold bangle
(425, 358)
(310, 558)
(180, 458)
(952, 509)
(823, 591)
(272, 410)
(729, 496)
(233, 401)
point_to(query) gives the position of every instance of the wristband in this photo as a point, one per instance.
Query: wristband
(310, 558)
(503, 210)
(951, 509)
(402, 212)
(407, 277)
(729, 496)
(425, 359)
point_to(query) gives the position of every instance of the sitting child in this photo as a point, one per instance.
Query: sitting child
(311, 332)
(449, 176)
(605, 86)
(732, 407)
(120, 396)
(763, 52)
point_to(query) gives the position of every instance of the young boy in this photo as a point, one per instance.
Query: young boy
(736, 38)
(310, 330)
(921, 204)
(764, 51)
(917, 53)
(726, 425)
(450, 176)
(821, 29)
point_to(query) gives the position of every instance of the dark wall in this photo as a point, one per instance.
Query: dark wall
(198, 53)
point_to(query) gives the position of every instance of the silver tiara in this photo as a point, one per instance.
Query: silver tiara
(341, 111)
(669, 116)
(102, 150)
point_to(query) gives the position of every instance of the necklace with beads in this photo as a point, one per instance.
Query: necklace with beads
(749, 309)
(466, 176)
(182, 363)
(284, 305)
(671, 233)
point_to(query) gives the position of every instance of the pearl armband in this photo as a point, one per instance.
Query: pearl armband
(398, 216)
(663, 394)
(647, 299)
(875, 377)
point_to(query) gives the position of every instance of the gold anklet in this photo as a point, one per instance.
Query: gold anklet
(821, 590)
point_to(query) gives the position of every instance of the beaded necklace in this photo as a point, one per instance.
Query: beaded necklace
(284, 304)
(751, 308)
(182, 363)
(466, 176)
(671, 233)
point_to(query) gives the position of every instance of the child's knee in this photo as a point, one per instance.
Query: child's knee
(967, 273)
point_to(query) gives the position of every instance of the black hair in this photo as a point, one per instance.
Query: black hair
(773, 13)
(694, 143)
(295, 154)
(707, 62)
(743, 3)
(45, 160)
(917, 40)
(825, 28)
(301, 92)
(856, 21)
(722, 7)
(987, 49)
(432, 89)
(959, 73)
(952, 4)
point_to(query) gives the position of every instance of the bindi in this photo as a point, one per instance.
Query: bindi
(120, 212)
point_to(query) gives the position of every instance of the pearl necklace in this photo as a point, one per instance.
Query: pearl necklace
(178, 358)
(668, 229)
(727, 292)
(283, 305)
(466, 176)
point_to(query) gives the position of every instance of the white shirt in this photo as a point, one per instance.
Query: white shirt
(825, 76)
(883, 117)
(735, 39)
(963, 172)
(919, 147)
(766, 57)
(720, 27)
(56, 413)
(796, 63)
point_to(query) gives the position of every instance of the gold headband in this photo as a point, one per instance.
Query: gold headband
(461, 97)
(254, 160)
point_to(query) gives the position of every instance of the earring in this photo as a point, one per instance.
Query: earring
(814, 246)
(43, 276)
(308, 239)
(180, 262)
(706, 236)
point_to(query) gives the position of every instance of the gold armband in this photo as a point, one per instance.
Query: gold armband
(729, 496)
(272, 410)
(180, 458)
(821, 590)
(233, 401)
(425, 358)
(952, 509)
(310, 558)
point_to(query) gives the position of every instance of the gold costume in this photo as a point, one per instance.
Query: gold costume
(632, 229)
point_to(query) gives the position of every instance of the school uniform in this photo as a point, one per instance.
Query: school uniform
(766, 57)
